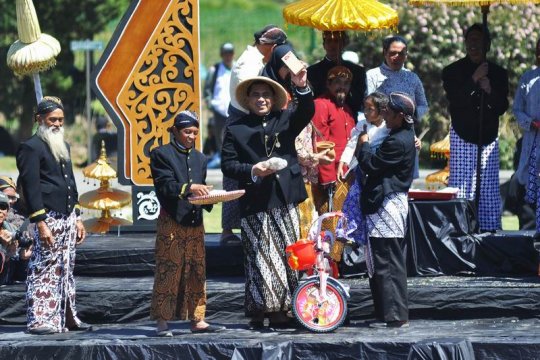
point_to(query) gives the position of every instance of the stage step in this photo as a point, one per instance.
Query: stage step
(111, 300)
(504, 253)
(132, 255)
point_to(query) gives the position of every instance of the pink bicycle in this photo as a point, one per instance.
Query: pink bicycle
(320, 301)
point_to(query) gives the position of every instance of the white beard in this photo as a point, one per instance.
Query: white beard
(55, 140)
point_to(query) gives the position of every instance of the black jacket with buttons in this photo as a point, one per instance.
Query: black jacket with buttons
(46, 183)
(244, 146)
(464, 100)
(388, 170)
(174, 170)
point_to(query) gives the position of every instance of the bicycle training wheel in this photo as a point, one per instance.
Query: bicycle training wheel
(321, 317)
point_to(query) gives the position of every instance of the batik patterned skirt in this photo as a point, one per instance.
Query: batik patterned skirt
(463, 177)
(50, 292)
(180, 276)
(390, 221)
(270, 282)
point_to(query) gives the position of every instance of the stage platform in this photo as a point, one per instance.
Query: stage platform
(500, 338)
(492, 317)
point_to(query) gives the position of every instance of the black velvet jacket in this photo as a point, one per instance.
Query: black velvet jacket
(464, 98)
(317, 75)
(174, 170)
(245, 145)
(387, 171)
(46, 183)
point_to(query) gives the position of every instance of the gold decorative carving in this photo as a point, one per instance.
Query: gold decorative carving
(164, 80)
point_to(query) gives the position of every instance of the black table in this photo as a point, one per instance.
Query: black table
(442, 239)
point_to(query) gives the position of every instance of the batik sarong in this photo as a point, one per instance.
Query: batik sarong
(532, 193)
(180, 276)
(50, 292)
(390, 221)
(270, 282)
(463, 177)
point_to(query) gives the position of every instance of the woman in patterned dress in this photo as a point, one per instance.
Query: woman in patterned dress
(384, 201)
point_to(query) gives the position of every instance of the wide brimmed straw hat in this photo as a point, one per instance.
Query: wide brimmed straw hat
(280, 94)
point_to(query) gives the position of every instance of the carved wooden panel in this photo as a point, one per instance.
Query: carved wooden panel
(148, 73)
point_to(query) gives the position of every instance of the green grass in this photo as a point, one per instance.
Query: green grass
(235, 23)
(7, 164)
(212, 220)
(510, 222)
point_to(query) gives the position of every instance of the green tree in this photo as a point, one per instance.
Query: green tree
(66, 20)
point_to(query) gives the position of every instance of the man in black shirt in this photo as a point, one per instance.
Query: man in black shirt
(475, 124)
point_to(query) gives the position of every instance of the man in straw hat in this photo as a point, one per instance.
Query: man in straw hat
(249, 64)
(384, 201)
(179, 171)
(50, 193)
(273, 190)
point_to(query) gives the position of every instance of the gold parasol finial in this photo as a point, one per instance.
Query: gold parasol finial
(33, 52)
(100, 169)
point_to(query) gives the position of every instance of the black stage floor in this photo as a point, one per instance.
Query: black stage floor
(500, 338)
(493, 317)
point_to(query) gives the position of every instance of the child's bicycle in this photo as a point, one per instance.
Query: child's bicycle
(320, 301)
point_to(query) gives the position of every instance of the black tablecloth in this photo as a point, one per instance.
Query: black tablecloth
(441, 239)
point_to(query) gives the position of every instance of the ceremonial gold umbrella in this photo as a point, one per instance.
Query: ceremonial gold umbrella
(34, 51)
(440, 149)
(102, 225)
(105, 198)
(100, 169)
(341, 15)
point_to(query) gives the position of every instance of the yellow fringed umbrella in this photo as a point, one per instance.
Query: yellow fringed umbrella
(341, 15)
(34, 51)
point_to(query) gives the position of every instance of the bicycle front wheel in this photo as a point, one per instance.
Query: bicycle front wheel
(319, 316)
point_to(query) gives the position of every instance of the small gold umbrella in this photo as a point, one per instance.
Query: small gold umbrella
(440, 149)
(341, 15)
(34, 51)
(102, 225)
(105, 198)
(100, 169)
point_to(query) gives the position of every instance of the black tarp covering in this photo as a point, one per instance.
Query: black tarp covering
(112, 300)
(442, 349)
(132, 254)
(441, 240)
(493, 339)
